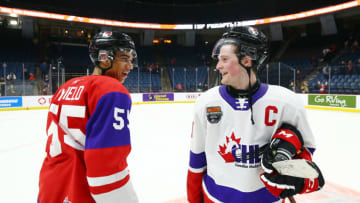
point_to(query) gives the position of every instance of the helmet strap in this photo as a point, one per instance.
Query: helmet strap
(248, 70)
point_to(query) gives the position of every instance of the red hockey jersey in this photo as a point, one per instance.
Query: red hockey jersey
(88, 143)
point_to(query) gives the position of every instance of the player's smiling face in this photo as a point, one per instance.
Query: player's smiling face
(229, 66)
(122, 65)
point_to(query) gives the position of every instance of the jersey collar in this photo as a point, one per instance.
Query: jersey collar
(242, 104)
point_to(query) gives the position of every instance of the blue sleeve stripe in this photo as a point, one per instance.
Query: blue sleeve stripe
(228, 194)
(197, 160)
(108, 125)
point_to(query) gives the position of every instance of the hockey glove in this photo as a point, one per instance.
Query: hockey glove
(291, 184)
(285, 144)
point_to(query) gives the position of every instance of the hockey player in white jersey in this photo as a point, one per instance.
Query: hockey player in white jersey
(231, 158)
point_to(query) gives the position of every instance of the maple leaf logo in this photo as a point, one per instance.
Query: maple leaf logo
(231, 144)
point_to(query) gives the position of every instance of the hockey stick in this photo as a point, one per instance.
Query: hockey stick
(296, 168)
(292, 199)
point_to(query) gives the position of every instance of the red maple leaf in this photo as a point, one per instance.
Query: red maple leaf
(228, 157)
(222, 149)
(234, 138)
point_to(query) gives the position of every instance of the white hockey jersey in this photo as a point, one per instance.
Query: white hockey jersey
(224, 159)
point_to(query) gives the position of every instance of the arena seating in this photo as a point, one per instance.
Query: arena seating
(188, 77)
(189, 65)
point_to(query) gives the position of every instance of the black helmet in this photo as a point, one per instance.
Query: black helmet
(249, 41)
(104, 45)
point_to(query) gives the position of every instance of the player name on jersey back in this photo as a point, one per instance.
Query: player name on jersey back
(71, 93)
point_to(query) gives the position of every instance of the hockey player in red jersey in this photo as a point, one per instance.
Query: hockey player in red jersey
(231, 158)
(87, 127)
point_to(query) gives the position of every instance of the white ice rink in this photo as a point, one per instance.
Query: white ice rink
(159, 158)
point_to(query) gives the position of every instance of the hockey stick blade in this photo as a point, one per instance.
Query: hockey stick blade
(296, 168)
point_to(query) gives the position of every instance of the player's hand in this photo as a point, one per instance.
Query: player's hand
(267, 160)
(285, 144)
(286, 186)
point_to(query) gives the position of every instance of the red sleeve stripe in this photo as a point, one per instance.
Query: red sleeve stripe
(109, 187)
(104, 180)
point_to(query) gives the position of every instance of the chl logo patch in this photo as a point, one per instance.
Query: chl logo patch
(213, 114)
(245, 156)
(231, 145)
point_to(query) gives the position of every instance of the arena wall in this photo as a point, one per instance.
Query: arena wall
(349, 103)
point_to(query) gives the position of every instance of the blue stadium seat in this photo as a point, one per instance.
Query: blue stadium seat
(347, 88)
(341, 80)
(340, 87)
(357, 91)
(192, 75)
(335, 80)
(353, 87)
(353, 76)
(333, 85)
(315, 91)
(312, 85)
(333, 91)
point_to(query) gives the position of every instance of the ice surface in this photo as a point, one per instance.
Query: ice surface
(160, 150)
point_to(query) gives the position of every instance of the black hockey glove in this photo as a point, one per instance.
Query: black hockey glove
(283, 176)
(292, 183)
(285, 144)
